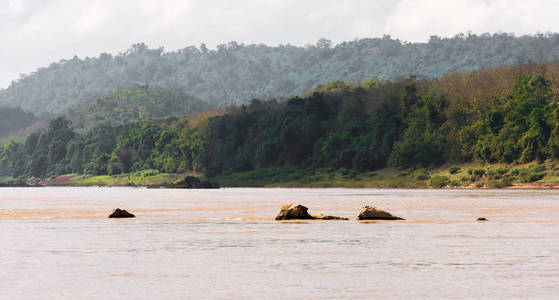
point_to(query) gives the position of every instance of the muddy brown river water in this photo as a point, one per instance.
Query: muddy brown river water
(57, 243)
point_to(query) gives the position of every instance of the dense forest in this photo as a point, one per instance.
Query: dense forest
(507, 115)
(235, 73)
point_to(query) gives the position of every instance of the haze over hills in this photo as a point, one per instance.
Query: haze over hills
(236, 73)
(507, 116)
(133, 104)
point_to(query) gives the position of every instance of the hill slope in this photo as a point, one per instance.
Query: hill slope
(238, 73)
(133, 104)
(13, 119)
(507, 116)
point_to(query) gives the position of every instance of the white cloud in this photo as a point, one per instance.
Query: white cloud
(34, 33)
(417, 20)
(16, 6)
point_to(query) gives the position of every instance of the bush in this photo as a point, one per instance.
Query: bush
(422, 177)
(439, 181)
(476, 173)
(421, 174)
(505, 182)
(532, 177)
(537, 168)
(465, 179)
(502, 170)
(454, 169)
(494, 174)
(454, 183)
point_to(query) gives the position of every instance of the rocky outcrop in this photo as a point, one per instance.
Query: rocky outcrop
(121, 213)
(373, 213)
(300, 212)
(191, 182)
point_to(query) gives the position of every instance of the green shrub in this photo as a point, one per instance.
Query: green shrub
(537, 168)
(422, 177)
(493, 174)
(505, 182)
(478, 172)
(515, 172)
(532, 177)
(439, 181)
(502, 170)
(454, 183)
(454, 169)
(421, 174)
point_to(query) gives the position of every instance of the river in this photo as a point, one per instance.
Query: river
(57, 243)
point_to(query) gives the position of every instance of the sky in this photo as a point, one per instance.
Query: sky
(35, 33)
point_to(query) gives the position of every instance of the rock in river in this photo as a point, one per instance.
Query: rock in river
(300, 212)
(121, 213)
(373, 213)
(191, 182)
(482, 219)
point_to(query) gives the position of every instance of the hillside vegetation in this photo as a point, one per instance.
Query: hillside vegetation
(133, 104)
(14, 119)
(236, 73)
(506, 116)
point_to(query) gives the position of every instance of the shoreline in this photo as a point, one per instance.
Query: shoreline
(521, 186)
(536, 176)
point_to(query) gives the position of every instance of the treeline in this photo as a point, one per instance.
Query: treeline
(237, 73)
(507, 115)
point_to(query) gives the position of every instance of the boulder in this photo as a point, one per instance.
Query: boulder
(191, 182)
(373, 213)
(293, 212)
(121, 213)
(482, 219)
(300, 212)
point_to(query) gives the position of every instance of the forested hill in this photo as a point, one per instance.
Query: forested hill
(13, 119)
(236, 73)
(133, 104)
(507, 115)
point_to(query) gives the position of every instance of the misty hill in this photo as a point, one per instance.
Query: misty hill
(133, 104)
(13, 119)
(507, 115)
(236, 73)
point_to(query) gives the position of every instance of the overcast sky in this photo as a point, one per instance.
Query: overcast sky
(34, 33)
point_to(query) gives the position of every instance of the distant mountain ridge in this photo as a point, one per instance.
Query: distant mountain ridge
(236, 73)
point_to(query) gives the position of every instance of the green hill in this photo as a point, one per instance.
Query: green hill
(133, 104)
(14, 119)
(237, 73)
(506, 117)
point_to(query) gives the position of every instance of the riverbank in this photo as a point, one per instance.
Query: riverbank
(528, 176)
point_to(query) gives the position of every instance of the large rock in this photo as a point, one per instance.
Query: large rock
(191, 182)
(121, 213)
(373, 213)
(300, 212)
